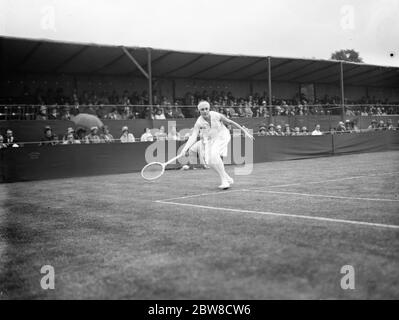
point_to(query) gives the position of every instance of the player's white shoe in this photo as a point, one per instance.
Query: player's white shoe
(230, 180)
(225, 185)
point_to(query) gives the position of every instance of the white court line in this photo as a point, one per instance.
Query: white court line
(321, 195)
(277, 186)
(202, 194)
(369, 224)
(329, 180)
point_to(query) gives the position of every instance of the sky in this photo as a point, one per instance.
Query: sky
(284, 28)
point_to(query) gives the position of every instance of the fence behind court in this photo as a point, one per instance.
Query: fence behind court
(37, 163)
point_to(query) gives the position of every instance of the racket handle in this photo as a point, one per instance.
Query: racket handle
(173, 159)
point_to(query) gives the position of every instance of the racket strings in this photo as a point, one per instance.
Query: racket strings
(152, 171)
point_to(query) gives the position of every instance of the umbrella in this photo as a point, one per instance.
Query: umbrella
(87, 120)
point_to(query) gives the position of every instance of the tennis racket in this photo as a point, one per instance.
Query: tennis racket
(155, 170)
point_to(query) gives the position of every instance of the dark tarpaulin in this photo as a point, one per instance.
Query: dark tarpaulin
(46, 162)
(291, 148)
(38, 163)
(365, 142)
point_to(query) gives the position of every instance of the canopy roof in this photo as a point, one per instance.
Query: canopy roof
(51, 57)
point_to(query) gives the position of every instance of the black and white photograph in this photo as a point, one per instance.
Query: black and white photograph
(219, 152)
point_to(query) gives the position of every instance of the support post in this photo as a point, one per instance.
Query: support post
(149, 78)
(135, 62)
(269, 81)
(174, 89)
(342, 89)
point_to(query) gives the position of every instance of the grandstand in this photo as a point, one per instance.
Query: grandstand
(283, 231)
(114, 82)
(47, 83)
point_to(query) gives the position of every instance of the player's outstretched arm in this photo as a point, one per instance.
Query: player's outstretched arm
(229, 121)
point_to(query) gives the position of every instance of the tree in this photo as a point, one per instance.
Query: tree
(347, 55)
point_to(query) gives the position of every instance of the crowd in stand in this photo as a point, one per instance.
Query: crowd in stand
(95, 135)
(348, 126)
(55, 105)
(8, 141)
(103, 135)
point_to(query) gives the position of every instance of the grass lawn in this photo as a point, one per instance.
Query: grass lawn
(116, 237)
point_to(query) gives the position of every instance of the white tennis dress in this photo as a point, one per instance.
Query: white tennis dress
(215, 138)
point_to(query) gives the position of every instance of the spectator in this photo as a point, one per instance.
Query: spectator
(66, 114)
(81, 135)
(287, 130)
(271, 131)
(126, 136)
(161, 135)
(248, 111)
(169, 113)
(10, 140)
(101, 112)
(173, 134)
(262, 111)
(381, 125)
(42, 113)
(70, 139)
(93, 136)
(341, 127)
(106, 136)
(147, 114)
(364, 113)
(2, 144)
(49, 138)
(177, 113)
(54, 114)
(159, 114)
(231, 113)
(278, 111)
(390, 125)
(316, 131)
(297, 132)
(147, 136)
(373, 125)
(262, 131)
(348, 126)
(74, 98)
(70, 130)
(127, 113)
(304, 131)
(240, 111)
(114, 115)
(279, 132)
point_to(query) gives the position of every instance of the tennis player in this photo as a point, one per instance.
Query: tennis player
(215, 138)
